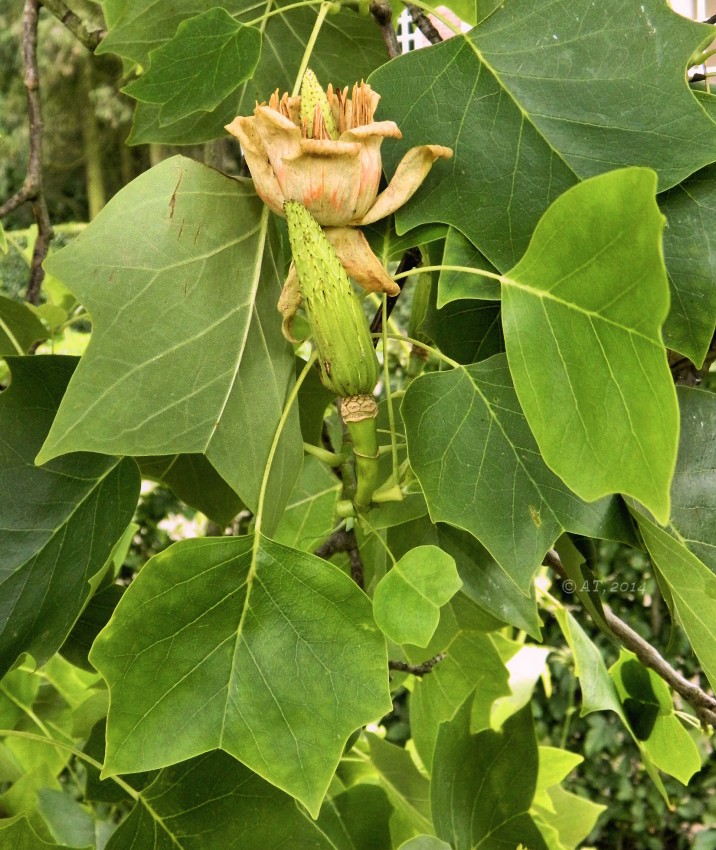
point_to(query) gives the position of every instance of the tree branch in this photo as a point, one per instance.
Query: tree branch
(79, 29)
(417, 669)
(32, 188)
(703, 704)
(424, 24)
(411, 259)
(382, 13)
(343, 541)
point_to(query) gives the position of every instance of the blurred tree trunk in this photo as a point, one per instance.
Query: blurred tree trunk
(96, 196)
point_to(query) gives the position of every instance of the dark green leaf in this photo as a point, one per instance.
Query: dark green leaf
(584, 309)
(59, 523)
(310, 513)
(690, 256)
(482, 785)
(532, 101)
(199, 67)
(90, 623)
(471, 663)
(693, 590)
(487, 585)
(358, 819)
(19, 835)
(407, 788)
(466, 331)
(19, 327)
(206, 370)
(457, 285)
(195, 481)
(214, 802)
(346, 41)
(244, 645)
(693, 490)
(480, 470)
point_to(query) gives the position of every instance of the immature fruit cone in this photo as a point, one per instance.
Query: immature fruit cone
(346, 356)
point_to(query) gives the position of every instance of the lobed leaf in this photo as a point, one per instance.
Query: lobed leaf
(214, 801)
(206, 60)
(692, 586)
(582, 314)
(187, 354)
(480, 470)
(531, 102)
(482, 785)
(244, 645)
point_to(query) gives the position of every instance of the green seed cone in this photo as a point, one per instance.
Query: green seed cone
(346, 357)
(312, 96)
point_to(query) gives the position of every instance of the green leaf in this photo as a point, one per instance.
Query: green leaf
(456, 285)
(358, 819)
(19, 327)
(346, 40)
(424, 842)
(586, 304)
(20, 835)
(243, 645)
(598, 690)
(407, 601)
(3, 240)
(487, 585)
(408, 789)
(60, 523)
(571, 816)
(68, 821)
(599, 693)
(466, 331)
(310, 513)
(555, 765)
(195, 481)
(213, 802)
(479, 467)
(542, 100)
(693, 490)
(690, 257)
(525, 667)
(206, 370)
(482, 785)
(648, 706)
(206, 60)
(471, 663)
(693, 590)
(90, 623)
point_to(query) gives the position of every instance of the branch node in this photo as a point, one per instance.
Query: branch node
(417, 669)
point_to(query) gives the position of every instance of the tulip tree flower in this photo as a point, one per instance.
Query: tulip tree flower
(322, 150)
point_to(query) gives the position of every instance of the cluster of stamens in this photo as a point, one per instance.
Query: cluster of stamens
(345, 112)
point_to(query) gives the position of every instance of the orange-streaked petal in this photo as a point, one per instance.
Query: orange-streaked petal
(359, 261)
(325, 178)
(265, 180)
